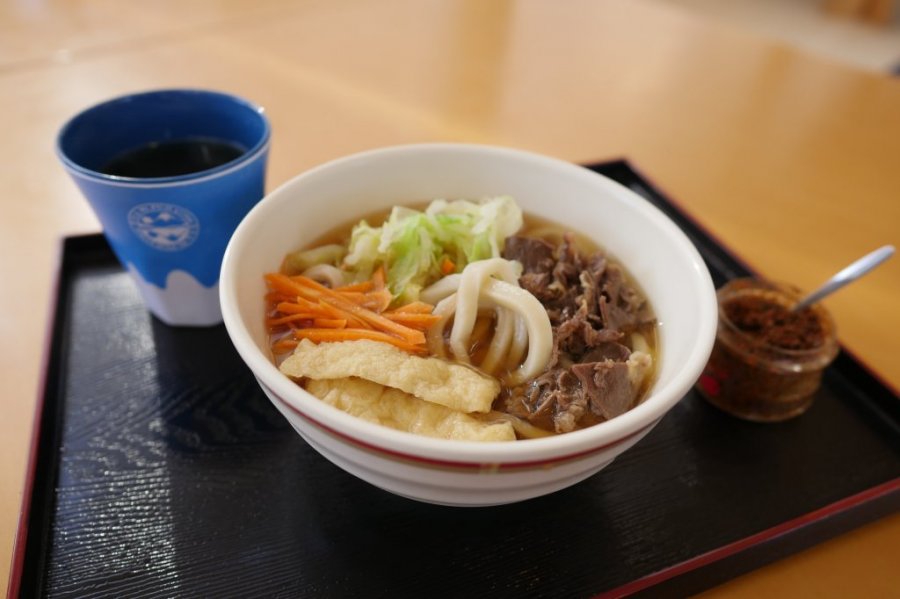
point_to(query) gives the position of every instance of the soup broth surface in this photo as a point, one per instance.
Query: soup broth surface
(553, 233)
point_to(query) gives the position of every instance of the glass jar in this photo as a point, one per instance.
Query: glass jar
(767, 361)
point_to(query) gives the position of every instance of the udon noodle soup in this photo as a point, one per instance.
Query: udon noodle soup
(463, 320)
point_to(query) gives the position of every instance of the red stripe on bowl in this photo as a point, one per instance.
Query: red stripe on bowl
(452, 464)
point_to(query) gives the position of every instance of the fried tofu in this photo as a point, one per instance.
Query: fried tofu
(402, 411)
(434, 380)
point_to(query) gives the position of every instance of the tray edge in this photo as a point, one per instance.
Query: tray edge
(53, 319)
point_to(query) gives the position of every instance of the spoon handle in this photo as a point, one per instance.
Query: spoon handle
(847, 275)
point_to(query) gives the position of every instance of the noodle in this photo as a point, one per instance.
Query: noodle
(325, 273)
(521, 318)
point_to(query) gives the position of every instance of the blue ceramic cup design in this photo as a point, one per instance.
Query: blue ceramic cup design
(170, 231)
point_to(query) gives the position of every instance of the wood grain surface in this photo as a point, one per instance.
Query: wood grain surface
(790, 159)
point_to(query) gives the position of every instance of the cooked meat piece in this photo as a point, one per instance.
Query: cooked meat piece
(591, 375)
(614, 317)
(564, 307)
(621, 307)
(561, 397)
(536, 255)
(609, 350)
(534, 401)
(553, 400)
(587, 301)
(568, 266)
(538, 284)
(607, 387)
(565, 274)
(568, 252)
(597, 265)
(577, 336)
(569, 410)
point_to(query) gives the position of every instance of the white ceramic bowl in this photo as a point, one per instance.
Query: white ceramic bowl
(652, 248)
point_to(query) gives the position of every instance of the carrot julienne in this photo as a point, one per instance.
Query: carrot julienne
(309, 289)
(414, 307)
(284, 346)
(447, 266)
(378, 300)
(296, 305)
(319, 335)
(421, 321)
(330, 323)
(363, 287)
(378, 279)
(290, 318)
(309, 310)
(319, 310)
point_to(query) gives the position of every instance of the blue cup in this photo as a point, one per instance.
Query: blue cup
(169, 228)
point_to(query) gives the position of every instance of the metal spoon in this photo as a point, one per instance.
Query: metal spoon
(847, 275)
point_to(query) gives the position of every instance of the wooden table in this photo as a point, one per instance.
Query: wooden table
(790, 159)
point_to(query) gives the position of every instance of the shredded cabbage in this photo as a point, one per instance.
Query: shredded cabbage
(413, 245)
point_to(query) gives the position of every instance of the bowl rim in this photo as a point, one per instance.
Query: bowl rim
(648, 412)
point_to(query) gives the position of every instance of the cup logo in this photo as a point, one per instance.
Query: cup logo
(165, 227)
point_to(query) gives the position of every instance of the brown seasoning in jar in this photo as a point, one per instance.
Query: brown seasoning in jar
(774, 323)
(768, 359)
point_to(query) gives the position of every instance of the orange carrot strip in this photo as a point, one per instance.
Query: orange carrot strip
(330, 323)
(314, 311)
(284, 345)
(363, 287)
(377, 301)
(276, 296)
(320, 335)
(414, 308)
(447, 266)
(370, 299)
(357, 297)
(310, 289)
(306, 288)
(327, 310)
(339, 314)
(311, 309)
(282, 283)
(319, 309)
(297, 305)
(416, 321)
(301, 288)
(290, 318)
(378, 278)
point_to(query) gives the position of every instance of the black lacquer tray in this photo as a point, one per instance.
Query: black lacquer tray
(159, 469)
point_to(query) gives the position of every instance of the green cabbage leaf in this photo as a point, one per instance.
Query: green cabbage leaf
(415, 245)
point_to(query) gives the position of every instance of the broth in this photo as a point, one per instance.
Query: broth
(555, 234)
